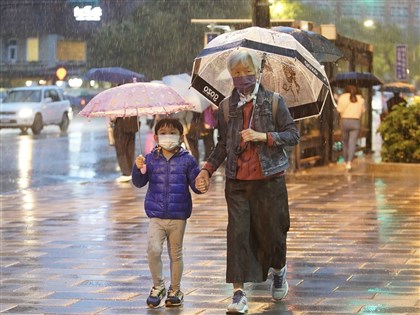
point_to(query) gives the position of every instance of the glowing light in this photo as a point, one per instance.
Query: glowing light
(28, 83)
(24, 162)
(87, 13)
(75, 82)
(61, 73)
(368, 23)
(59, 83)
(277, 9)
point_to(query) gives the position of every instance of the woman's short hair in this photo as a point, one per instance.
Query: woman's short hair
(244, 56)
(170, 122)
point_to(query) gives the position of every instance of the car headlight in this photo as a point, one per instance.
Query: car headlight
(25, 113)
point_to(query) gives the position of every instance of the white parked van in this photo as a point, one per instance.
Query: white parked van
(34, 107)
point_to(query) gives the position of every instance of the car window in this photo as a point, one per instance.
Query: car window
(53, 94)
(23, 96)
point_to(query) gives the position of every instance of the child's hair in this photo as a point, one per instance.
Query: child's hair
(170, 122)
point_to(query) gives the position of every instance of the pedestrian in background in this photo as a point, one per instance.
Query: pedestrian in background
(253, 142)
(170, 171)
(209, 125)
(395, 100)
(351, 106)
(124, 131)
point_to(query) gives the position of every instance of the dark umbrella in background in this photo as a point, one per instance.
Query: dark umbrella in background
(398, 87)
(116, 75)
(359, 79)
(319, 46)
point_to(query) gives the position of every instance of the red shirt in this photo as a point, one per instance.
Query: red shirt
(249, 167)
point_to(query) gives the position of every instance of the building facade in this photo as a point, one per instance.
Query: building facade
(404, 13)
(39, 36)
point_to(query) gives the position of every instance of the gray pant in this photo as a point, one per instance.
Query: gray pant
(350, 129)
(257, 228)
(172, 231)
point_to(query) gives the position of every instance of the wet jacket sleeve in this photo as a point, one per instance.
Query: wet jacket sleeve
(139, 180)
(287, 133)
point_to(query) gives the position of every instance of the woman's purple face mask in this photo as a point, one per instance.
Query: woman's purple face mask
(243, 76)
(244, 84)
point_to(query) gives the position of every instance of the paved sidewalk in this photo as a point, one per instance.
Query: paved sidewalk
(354, 248)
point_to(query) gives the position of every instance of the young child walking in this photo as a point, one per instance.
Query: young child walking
(169, 170)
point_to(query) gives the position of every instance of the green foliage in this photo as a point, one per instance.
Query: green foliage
(400, 131)
(158, 38)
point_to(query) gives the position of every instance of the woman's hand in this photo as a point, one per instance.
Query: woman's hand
(250, 135)
(202, 181)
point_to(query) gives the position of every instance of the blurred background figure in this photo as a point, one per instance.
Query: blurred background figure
(125, 129)
(395, 100)
(209, 125)
(351, 106)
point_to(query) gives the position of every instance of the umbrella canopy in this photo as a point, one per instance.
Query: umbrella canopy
(135, 99)
(359, 79)
(289, 69)
(116, 75)
(398, 87)
(181, 84)
(319, 46)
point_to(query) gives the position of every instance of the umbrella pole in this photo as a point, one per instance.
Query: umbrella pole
(138, 121)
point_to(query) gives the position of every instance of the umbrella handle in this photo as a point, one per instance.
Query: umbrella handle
(138, 120)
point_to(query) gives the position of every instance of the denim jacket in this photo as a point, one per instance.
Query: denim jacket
(273, 158)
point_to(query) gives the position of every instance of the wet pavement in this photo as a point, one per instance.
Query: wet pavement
(79, 247)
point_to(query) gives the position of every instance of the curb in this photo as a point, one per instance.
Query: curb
(398, 169)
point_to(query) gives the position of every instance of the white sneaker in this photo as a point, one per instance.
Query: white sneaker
(123, 179)
(348, 166)
(279, 286)
(239, 303)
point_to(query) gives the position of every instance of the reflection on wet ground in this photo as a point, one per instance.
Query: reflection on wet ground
(80, 248)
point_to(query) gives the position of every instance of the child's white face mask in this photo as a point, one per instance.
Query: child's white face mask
(169, 142)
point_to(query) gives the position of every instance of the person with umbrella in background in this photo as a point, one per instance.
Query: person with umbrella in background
(395, 100)
(253, 142)
(351, 106)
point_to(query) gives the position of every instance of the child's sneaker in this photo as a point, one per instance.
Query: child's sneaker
(175, 298)
(279, 286)
(239, 303)
(155, 298)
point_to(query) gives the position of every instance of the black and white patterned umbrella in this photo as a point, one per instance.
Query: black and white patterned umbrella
(289, 69)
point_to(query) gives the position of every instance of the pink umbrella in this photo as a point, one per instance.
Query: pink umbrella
(136, 99)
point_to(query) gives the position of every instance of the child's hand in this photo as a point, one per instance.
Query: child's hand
(140, 161)
(202, 181)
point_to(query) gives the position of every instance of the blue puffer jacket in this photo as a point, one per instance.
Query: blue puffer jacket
(168, 195)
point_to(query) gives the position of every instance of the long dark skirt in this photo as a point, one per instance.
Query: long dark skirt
(258, 222)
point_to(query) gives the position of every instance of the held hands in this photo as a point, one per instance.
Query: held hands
(250, 135)
(202, 181)
(141, 163)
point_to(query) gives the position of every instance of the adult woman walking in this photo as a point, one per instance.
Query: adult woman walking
(253, 142)
(351, 106)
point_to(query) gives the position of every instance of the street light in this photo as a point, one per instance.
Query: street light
(368, 23)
